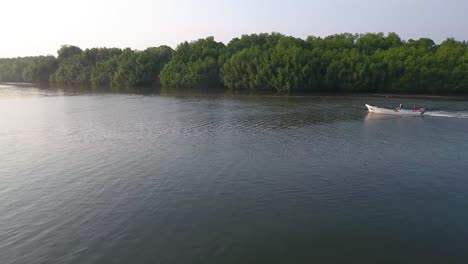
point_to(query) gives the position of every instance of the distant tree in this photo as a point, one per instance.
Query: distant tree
(67, 51)
(40, 69)
(194, 64)
(70, 71)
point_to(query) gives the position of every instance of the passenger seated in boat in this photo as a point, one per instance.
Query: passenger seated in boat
(400, 107)
(414, 108)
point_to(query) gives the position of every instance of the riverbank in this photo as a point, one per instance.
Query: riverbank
(228, 92)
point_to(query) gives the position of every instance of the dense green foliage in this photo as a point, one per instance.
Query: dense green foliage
(97, 66)
(262, 62)
(28, 69)
(194, 64)
(346, 63)
(110, 67)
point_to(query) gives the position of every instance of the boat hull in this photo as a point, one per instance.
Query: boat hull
(386, 111)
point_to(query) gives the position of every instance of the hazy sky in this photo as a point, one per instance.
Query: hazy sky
(34, 27)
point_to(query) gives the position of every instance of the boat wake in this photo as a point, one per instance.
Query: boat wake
(462, 114)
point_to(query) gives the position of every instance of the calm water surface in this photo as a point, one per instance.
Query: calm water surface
(128, 178)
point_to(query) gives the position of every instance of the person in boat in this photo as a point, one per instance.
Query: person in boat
(414, 108)
(400, 107)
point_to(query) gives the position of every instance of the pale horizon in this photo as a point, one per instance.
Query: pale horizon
(31, 28)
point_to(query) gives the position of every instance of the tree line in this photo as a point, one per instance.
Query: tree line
(372, 62)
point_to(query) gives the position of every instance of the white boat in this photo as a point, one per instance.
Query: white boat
(405, 112)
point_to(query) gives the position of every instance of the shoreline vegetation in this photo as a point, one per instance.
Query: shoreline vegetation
(372, 63)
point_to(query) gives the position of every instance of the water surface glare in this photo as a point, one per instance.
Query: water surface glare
(213, 178)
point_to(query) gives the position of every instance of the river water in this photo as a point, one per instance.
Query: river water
(218, 178)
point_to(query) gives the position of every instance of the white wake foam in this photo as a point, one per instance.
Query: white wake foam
(462, 114)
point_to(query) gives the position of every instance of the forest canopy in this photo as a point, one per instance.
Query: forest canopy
(372, 62)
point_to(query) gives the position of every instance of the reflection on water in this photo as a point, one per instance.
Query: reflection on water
(373, 116)
(376, 116)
